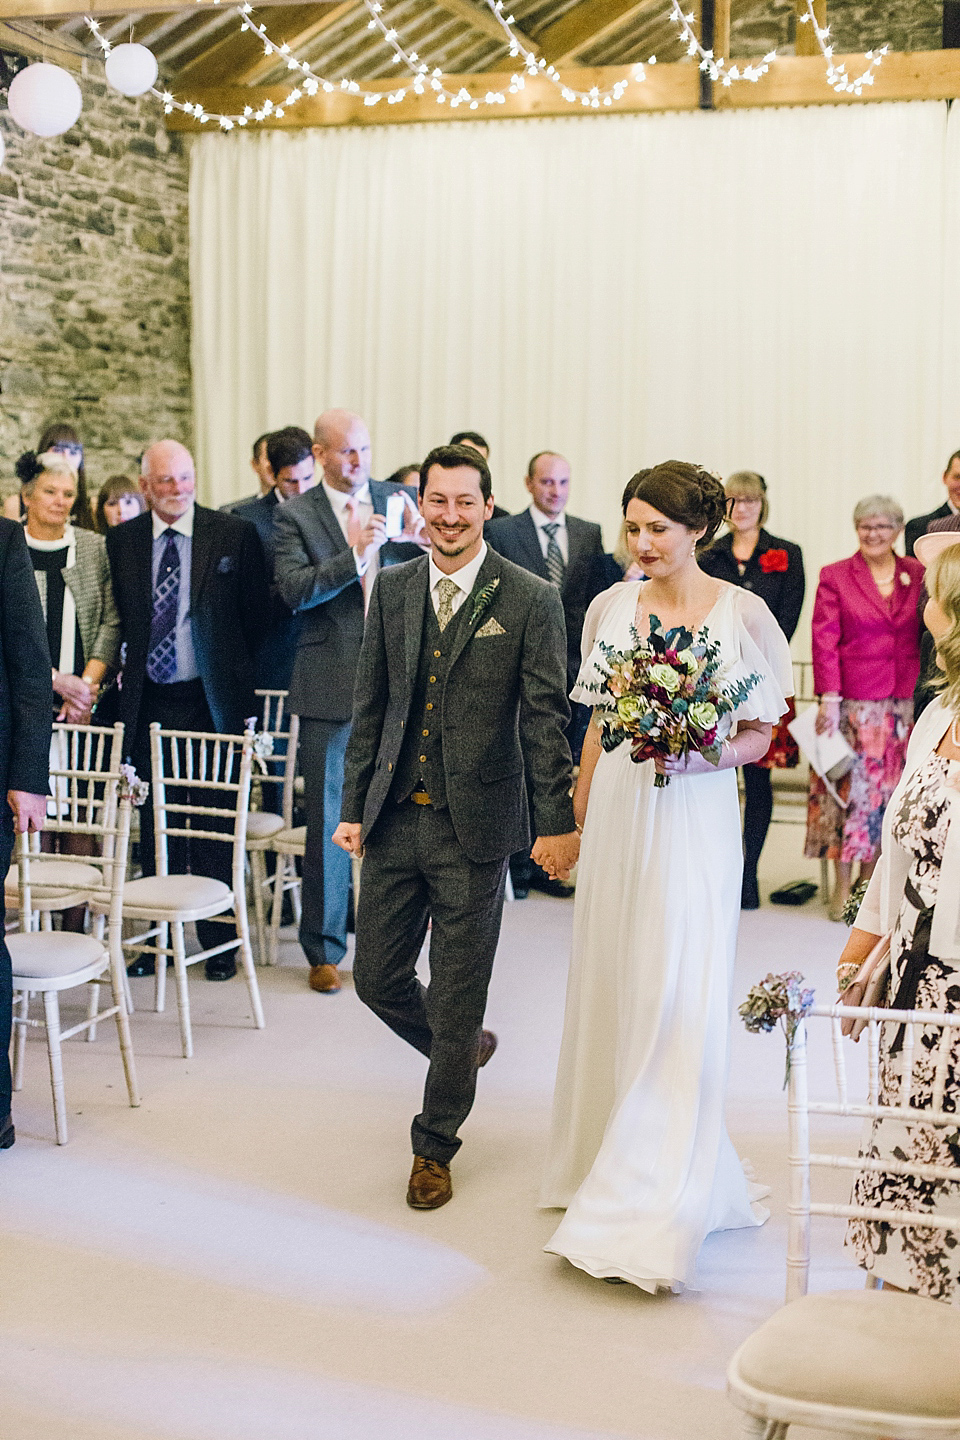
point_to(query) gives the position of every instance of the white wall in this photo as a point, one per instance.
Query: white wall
(768, 289)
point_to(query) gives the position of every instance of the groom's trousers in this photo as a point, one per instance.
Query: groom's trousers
(414, 870)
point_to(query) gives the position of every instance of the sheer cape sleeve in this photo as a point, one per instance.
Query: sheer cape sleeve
(598, 612)
(763, 651)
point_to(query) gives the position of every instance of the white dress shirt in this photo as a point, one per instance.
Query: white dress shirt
(465, 578)
(364, 503)
(540, 520)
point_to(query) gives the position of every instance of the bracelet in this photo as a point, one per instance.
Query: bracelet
(578, 827)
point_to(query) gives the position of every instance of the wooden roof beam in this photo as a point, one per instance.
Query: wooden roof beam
(480, 18)
(324, 17)
(231, 58)
(586, 24)
(65, 9)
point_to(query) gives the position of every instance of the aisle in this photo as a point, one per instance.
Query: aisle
(234, 1261)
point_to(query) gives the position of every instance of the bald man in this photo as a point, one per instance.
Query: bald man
(328, 547)
(191, 589)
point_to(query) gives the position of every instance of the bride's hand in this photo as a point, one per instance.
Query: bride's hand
(691, 764)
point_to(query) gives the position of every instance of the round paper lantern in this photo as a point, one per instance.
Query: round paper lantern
(44, 99)
(131, 69)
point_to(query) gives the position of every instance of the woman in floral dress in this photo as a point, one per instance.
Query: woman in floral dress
(866, 659)
(915, 895)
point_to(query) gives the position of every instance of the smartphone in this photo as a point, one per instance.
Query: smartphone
(395, 516)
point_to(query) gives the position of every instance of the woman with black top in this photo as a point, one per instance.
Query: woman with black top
(750, 556)
(60, 439)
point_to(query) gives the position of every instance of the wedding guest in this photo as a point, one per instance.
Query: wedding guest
(408, 475)
(772, 568)
(83, 629)
(192, 595)
(328, 547)
(928, 682)
(475, 441)
(629, 569)
(25, 713)
(951, 505)
(73, 578)
(639, 1153)
(293, 467)
(558, 547)
(866, 659)
(60, 440)
(260, 465)
(914, 896)
(120, 499)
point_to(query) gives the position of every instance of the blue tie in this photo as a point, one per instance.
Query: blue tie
(162, 655)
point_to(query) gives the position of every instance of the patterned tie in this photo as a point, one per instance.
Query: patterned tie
(162, 655)
(446, 589)
(555, 563)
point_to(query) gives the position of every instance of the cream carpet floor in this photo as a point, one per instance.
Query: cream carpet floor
(235, 1261)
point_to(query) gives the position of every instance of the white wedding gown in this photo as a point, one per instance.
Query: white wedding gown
(639, 1153)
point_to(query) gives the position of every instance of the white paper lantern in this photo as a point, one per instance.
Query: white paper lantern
(44, 99)
(131, 69)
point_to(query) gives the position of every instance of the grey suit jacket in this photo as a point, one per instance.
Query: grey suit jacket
(504, 703)
(90, 585)
(315, 572)
(516, 537)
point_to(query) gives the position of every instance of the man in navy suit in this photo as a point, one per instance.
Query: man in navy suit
(951, 506)
(191, 589)
(293, 473)
(328, 547)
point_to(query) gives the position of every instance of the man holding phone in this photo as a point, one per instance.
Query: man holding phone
(329, 545)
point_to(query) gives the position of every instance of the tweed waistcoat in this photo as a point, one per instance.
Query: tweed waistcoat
(420, 763)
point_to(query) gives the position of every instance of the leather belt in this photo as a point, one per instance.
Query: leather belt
(420, 797)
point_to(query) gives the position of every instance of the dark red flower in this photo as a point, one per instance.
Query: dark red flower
(774, 562)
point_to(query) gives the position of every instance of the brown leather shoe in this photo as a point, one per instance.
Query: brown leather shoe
(488, 1043)
(430, 1185)
(325, 979)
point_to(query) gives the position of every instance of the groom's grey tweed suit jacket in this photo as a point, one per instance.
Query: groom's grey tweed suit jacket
(504, 702)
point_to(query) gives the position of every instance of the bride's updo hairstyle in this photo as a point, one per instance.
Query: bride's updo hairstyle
(687, 494)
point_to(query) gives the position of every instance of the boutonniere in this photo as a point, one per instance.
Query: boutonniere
(483, 599)
(905, 577)
(774, 562)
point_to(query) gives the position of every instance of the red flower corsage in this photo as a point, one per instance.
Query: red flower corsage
(774, 562)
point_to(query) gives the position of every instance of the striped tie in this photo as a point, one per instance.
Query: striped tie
(162, 655)
(555, 564)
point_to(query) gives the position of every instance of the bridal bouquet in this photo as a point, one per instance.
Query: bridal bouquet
(666, 697)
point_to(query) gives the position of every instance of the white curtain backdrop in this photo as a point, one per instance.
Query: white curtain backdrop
(771, 289)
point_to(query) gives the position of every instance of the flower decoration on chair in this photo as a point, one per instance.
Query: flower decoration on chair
(777, 1000)
(666, 697)
(132, 788)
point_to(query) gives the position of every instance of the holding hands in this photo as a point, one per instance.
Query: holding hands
(78, 697)
(557, 854)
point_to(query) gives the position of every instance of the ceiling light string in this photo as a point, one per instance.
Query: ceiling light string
(592, 98)
(837, 76)
(717, 67)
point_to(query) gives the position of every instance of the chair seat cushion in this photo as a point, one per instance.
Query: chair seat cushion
(52, 954)
(175, 896)
(290, 842)
(863, 1349)
(261, 824)
(53, 879)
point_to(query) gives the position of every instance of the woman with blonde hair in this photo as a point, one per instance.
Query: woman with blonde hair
(772, 568)
(914, 896)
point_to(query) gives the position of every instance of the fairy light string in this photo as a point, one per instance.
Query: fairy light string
(431, 82)
(837, 77)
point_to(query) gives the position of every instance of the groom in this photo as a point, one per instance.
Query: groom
(462, 678)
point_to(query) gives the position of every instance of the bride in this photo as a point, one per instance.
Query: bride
(639, 1153)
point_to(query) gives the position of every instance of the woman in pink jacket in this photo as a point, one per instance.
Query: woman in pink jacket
(866, 659)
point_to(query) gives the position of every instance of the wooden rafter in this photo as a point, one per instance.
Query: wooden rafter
(586, 24)
(236, 57)
(480, 18)
(922, 75)
(65, 9)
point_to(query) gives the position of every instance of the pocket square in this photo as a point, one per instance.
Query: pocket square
(489, 627)
(226, 565)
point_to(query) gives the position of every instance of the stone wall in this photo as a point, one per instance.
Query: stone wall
(94, 284)
(760, 25)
